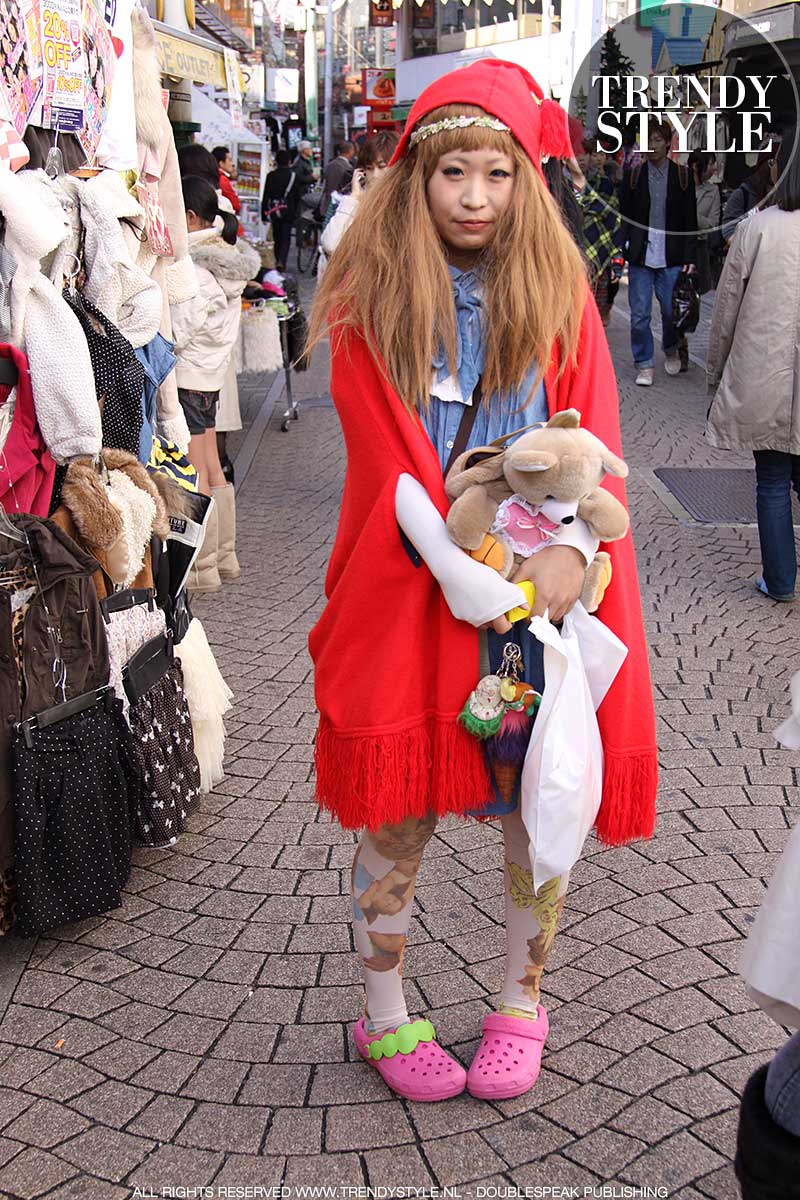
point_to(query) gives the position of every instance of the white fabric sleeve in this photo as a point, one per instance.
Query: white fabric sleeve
(473, 592)
(580, 537)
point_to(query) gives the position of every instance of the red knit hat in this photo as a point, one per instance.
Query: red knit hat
(504, 90)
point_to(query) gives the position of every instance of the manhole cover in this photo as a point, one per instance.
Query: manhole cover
(714, 495)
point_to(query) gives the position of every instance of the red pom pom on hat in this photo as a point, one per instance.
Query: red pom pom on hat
(555, 140)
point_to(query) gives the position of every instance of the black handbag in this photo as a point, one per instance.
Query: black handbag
(685, 304)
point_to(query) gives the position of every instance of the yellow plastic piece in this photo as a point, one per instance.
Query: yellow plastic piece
(605, 580)
(519, 613)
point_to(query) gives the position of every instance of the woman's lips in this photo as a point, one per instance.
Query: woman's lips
(473, 226)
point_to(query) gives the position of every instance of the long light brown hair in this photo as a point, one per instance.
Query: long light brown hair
(389, 278)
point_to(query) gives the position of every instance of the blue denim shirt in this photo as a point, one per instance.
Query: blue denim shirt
(502, 415)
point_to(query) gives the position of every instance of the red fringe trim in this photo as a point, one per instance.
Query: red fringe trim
(628, 808)
(374, 780)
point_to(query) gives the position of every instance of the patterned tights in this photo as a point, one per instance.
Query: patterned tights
(384, 878)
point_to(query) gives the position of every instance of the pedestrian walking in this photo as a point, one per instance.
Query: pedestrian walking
(307, 174)
(753, 366)
(227, 175)
(753, 193)
(709, 216)
(338, 174)
(659, 215)
(602, 228)
(458, 311)
(768, 1139)
(280, 205)
(205, 330)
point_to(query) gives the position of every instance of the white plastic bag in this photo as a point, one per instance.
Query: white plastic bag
(562, 777)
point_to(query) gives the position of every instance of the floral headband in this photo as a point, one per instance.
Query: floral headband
(426, 131)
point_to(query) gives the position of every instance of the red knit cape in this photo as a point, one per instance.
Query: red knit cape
(394, 667)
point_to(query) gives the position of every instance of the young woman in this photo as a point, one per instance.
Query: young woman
(205, 331)
(455, 291)
(753, 368)
(373, 159)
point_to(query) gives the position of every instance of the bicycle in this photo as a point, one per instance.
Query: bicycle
(307, 236)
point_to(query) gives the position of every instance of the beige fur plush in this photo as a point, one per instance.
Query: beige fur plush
(556, 470)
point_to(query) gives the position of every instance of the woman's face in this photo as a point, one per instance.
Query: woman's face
(374, 169)
(467, 195)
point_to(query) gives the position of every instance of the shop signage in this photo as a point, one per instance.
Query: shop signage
(283, 85)
(20, 59)
(185, 60)
(424, 15)
(381, 14)
(234, 87)
(378, 87)
(64, 65)
(100, 60)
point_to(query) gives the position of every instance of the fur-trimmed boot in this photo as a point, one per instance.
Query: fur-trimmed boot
(227, 562)
(204, 575)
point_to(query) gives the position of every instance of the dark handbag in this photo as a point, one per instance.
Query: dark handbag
(685, 304)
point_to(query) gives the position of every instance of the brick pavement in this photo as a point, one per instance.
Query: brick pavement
(200, 1032)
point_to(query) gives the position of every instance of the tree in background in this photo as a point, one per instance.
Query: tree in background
(614, 62)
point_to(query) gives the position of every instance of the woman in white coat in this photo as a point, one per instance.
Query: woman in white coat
(205, 331)
(753, 365)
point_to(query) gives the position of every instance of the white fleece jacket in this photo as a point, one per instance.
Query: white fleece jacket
(206, 328)
(43, 325)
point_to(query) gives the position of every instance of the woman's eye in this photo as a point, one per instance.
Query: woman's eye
(501, 174)
(453, 172)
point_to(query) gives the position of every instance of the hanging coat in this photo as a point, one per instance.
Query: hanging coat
(26, 477)
(65, 573)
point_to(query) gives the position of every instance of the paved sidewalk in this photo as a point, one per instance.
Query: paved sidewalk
(200, 1033)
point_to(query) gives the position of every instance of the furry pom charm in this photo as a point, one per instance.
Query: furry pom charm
(555, 140)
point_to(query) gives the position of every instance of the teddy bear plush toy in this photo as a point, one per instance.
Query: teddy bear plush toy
(510, 503)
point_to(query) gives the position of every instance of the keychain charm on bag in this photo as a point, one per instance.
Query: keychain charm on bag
(501, 712)
(502, 701)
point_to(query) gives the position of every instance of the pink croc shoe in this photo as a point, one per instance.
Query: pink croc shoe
(509, 1057)
(411, 1062)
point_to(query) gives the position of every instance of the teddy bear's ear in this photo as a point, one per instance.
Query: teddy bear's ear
(613, 465)
(483, 464)
(531, 460)
(570, 418)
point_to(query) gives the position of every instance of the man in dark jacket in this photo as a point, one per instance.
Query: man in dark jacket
(280, 204)
(659, 214)
(338, 173)
(304, 167)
